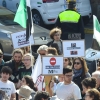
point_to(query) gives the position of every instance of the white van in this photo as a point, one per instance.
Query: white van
(46, 11)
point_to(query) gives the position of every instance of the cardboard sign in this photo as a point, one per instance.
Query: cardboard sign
(19, 39)
(74, 48)
(52, 65)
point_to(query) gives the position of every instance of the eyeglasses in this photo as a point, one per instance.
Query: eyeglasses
(87, 95)
(57, 35)
(68, 75)
(77, 63)
(26, 59)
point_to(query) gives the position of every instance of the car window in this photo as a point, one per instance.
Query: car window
(6, 16)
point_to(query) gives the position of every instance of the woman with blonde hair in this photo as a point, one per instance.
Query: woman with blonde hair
(80, 71)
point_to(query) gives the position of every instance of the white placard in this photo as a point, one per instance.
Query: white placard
(74, 48)
(52, 65)
(19, 39)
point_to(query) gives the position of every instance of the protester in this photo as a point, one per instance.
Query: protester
(24, 92)
(28, 61)
(80, 71)
(67, 90)
(2, 62)
(92, 94)
(41, 95)
(15, 64)
(27, 80)
(88, 83)
(55, 35)
(42, 50)
(5, 85)
(96, 75)
(52, 51)
(70, 22)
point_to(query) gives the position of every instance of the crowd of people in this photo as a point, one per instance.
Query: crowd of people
(75, 82)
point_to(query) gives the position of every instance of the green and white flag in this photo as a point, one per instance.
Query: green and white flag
(24, 17)
(96, 36)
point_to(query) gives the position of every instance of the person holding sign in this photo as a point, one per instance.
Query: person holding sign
(71, 23)
(67, 90)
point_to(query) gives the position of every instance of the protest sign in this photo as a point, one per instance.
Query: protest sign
(74, 48)
(19, 39)
(52, 65)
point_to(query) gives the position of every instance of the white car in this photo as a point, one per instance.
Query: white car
(46, 11)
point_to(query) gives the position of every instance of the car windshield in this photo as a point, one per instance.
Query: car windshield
(6, 17)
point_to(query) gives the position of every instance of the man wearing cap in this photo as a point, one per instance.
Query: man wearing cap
(71, 23)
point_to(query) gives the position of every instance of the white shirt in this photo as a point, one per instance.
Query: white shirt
(8, 87)
(68, 92)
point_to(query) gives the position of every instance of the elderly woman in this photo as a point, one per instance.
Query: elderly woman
(42, 50)
(80, 71)
(55, 35)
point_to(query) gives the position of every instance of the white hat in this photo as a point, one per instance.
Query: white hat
(25, 91)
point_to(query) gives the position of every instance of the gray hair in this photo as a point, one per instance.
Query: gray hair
(96, 73)
(42, 47)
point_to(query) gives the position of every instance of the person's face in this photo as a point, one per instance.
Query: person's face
(57, 36)
(84, 88)
(27, 61)
(87, 96)
(23, 82)
(97, 80)
(5, 76)
(65, 62)
(42, 52)
(17, 57)
(77, 64)
(68, 77)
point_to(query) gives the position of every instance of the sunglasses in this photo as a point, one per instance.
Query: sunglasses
(42, 54)
(77, 63)
(26, 59)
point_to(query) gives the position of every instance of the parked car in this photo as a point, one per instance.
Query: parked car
(8, 27)
(46, 11)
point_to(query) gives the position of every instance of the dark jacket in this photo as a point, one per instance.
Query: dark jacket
(51, 42)
(68, 28)
(15, 72)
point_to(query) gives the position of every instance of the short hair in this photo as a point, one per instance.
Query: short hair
(71, 4)
(89, 82)
(94, 93)
(96, 73)
(54, 31)
(31, 56)
(1, 53)
(17, 51)
(67, 70)
(42, 47)
(41, 94)
(52, 50)
(6, 69)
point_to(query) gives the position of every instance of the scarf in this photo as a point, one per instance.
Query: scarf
(77, 72)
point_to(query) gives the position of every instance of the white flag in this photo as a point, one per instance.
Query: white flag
(37, 74)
